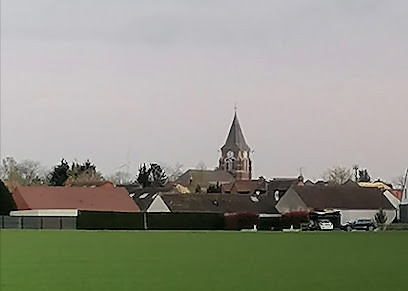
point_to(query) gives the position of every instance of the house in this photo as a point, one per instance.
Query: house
(353, 202)
(193, 179)
(144, 197)
(396, 193)
(390, 194)
(279, 186)
(77, 198)
(213, 203)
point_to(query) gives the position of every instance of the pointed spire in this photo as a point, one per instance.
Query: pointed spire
(235, 139)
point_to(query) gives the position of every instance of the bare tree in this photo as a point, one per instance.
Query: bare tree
(398, 182)
(120, 177)
(8, 167)
(84, 173)
(31, 171)
(26, 172)
(381, 218)
(173, 171)
(201, 166)
(338, 175)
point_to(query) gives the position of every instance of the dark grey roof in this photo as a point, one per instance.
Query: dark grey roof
(131, 188)
(342, 197)
(235, 139)
(220, 203)
(281, 184)
(143, 197)
(309, 183)
(204, 178)
(245, 187)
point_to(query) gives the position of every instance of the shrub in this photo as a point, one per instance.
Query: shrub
(241, 220)
(381, 218)
(295, 218)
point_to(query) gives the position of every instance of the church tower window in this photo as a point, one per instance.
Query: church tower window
(235, 152)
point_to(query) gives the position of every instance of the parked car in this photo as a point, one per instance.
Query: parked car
(360, 224)
(321, 224)
(325, 224)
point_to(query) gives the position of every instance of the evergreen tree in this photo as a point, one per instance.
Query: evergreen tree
(158, 176)
(59, 174)
(144, 176)
(152, 175)
(363, 176)
(85, 172)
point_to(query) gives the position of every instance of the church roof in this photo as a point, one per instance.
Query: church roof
(235, 139)
(204, 178)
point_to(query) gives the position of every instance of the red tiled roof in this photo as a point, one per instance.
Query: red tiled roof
(81, 198)
(396, 193)
(68, 183)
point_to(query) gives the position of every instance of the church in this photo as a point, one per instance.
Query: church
(234, 164)
(235, 153)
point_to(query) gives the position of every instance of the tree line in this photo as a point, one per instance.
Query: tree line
(340, 175)
(30, 173)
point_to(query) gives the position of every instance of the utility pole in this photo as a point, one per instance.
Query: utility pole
(404, 200)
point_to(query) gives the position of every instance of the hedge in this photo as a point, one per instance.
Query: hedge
(269, 223)
(185, 221)
(109, 220)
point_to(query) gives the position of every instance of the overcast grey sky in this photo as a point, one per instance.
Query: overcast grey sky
(318, 83)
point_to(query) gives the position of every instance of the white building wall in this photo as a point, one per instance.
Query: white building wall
(290, 201)
(394, 201)
(348, 215)
(46, 212)
(158, 205)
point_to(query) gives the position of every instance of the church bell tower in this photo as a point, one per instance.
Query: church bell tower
(235, 154)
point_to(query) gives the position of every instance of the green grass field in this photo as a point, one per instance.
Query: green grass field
(80, 260)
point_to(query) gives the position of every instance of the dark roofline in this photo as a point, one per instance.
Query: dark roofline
(235, 139)
(342, 197)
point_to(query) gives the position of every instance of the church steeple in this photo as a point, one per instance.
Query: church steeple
(235, 139)
(235, 152)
